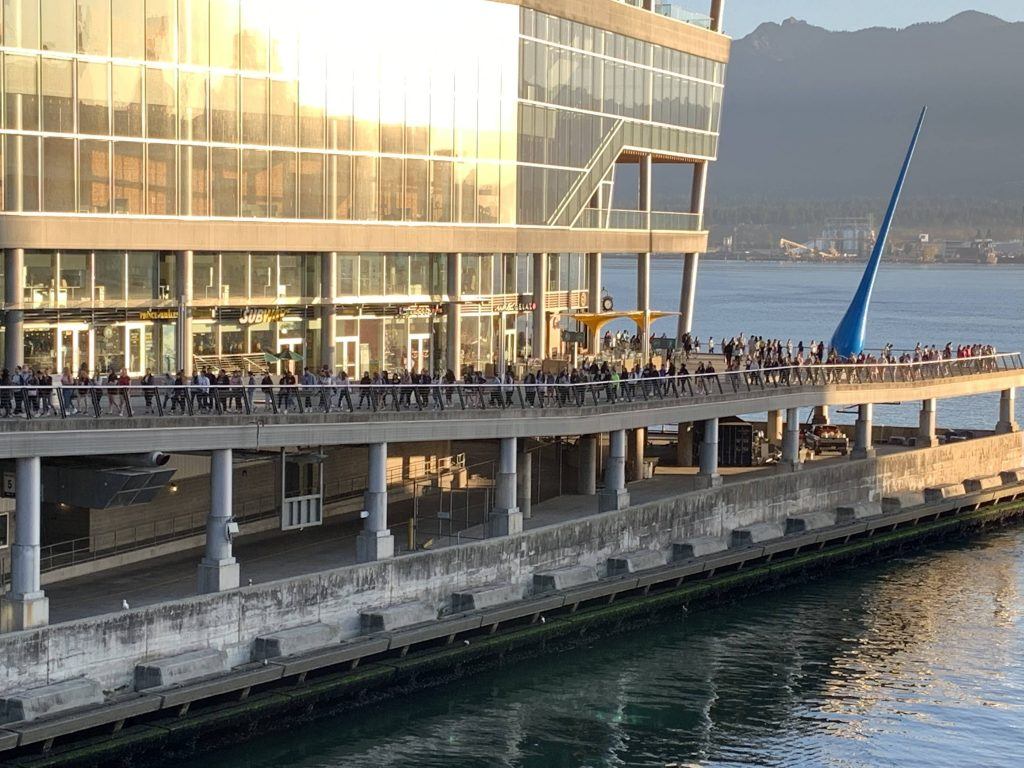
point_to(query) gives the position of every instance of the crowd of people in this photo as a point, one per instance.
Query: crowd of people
(745, 361)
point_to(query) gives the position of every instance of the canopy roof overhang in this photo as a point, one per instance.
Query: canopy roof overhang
(594, 322)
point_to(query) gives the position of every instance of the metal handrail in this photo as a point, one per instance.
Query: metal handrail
(139, 403)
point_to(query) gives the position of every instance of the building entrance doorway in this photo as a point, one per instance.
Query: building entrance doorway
(136, 348)
(75, 347)
(418, 352)
(347, 355)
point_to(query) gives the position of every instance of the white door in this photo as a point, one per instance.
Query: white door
(74, 347)
(347, 355)
(135, 348)
(418, 352)
(291, 345)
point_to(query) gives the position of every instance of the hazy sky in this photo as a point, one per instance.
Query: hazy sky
(743, 16)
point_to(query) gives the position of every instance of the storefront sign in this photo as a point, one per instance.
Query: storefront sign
(574, 337)
(261, 315)
(522, 305)
(420, 310)
(158, 314)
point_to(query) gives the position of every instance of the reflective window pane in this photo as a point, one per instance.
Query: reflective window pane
(58, 25)
(161, 30)
(21, 173)
(93, 98)
(127, 98)
(192, 105)
(194, 185)
(224, 108)
(255, 186)
(161, 101)
(161, 177)
(94, 176)
(254, 110)
(128, 178)
(311, 186)
(21, 85)
(224, 181)
(94, 27)
(224, 15)
(128, 29)
(283, 181)
(284, 98)
(58, 174)
(194, 32)
(58, 98)
(254, 35)
(21, 23)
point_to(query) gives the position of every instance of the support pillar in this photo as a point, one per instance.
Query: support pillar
(636, 451)
(506, 519)
(684, 445)
(821, 415)
(926, 437)
(328, 310)
(594, 282)
(708, 476)
(183, 269)
(540, 315)
(587, 479)
(524, 484)
(643, 302)
(774, 429)
(14, 317)
(454, 319)
(863, 444)
(1007, 412)
(791, 441)
(614, 496)
(375, 541)
(26, 606)
(218, 570)
(691, 261)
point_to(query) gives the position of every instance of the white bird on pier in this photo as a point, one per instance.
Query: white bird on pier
(125, 606)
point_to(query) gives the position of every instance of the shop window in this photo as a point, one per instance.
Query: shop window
(40, 268)
(109, 276)
(143, 281)
(396, 281)
(371, 274)
(234, 268)
(291, 275)
(74, 278)
(264, 276)
(204, 276)
(348, 274)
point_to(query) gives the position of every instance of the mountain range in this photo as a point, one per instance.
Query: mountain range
(817, 115)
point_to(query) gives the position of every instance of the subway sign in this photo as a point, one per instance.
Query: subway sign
(261, 315)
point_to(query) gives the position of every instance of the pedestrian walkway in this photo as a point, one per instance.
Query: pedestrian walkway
(297, 553)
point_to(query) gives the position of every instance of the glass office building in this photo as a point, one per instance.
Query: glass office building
(404, 185)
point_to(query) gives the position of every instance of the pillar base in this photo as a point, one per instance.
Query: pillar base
(24, 612)
(505, 522)
(1007, 427)
(786, 467)
(926, 442)
(217, 576)
(862, 453)
(703, 482)
(374, 545)
(609, 500)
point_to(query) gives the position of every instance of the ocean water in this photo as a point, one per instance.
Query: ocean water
(916, 662)
(930, 304)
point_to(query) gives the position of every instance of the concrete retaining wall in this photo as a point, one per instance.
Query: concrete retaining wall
(107, 648)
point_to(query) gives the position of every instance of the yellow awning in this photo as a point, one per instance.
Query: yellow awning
(596, 321)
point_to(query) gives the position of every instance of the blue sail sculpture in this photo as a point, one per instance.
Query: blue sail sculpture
(848, 340)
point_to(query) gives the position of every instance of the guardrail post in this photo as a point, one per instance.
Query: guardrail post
(26, 605)
(1007, 412)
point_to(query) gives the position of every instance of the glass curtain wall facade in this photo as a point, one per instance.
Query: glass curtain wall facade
(450, 114)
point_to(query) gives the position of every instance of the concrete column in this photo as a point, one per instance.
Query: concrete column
(540, 316)
(643, 301)
(791, 441)
(614, 496)
(691, 261)
(14, 297)
(26, 606)
(774, 428)
(454, 327)
(708, 476)
(218, 570)
(594, 282)
(684, 445)
(926, 437)
(183, 268)
(506, 518)
(717, 14)
(328, 311)
(636, 453)
(1007, 412)
(586, 484)
(524, 484)
(821, 415)
(644, 197)
(863, 444)
(375, 542)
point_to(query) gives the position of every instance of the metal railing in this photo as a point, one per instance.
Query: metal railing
(595, 218)
(674, 11)
(144, 403)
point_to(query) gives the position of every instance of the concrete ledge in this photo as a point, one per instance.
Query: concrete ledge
(943, 492)
(810, 522)
(632, 562)
(432, 630)
(563, 578)
(290, 642)
(8, 740)
(183, 668)
(395, 617)
(902, 501)
(755, 534)
(485, 597)
(859, 511)
(327, 657)
(699, 547)
(85, 718)
(28, 705)
(236, 681)
(979, 484)
(1012, 476)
